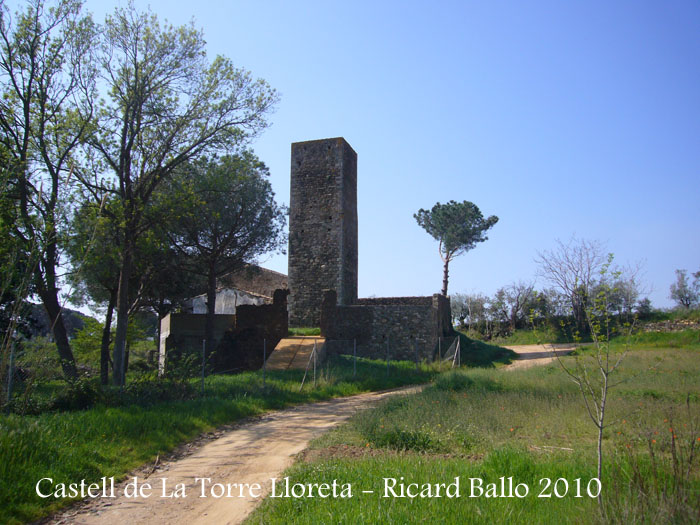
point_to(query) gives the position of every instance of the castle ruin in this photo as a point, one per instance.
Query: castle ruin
(323, 261)
(322, 282)
(322, 227)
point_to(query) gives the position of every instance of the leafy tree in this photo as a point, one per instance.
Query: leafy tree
(457, 226)
(644, 308)
(513, 301)
(459, 309)
(46, 84)
(158, 283)
(228, 217)
(684, 292)
(166, 105)
(93, 248)
(470, 310)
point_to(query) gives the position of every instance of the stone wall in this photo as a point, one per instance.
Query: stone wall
(407, 323)
(671, 326)
(241, 347)
(322, 227)
(239, 337)
(183, 334)
(409, 301)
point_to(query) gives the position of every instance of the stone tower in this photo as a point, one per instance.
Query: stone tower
(322, 227)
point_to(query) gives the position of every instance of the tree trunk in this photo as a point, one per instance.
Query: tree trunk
(119, 370)
(211, 313)
(45, 281)
(60, 335)
(106, 336)
(445, 274)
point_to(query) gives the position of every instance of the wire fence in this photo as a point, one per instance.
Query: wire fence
(448, 350)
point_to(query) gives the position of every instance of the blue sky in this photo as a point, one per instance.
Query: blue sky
(561, 118)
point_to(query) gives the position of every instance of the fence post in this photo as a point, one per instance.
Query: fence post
(264, 359)
(459, 352)
(204, 343)
(415, 351)
(306, 371)
(354, 358)
(439, 348)
(314, 357)
(387, 356)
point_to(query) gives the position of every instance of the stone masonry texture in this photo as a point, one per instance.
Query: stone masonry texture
(409, 325)
(240, 338)
(322, 227)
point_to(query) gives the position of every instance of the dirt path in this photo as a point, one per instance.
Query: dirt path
(535, 355)
(252, 453)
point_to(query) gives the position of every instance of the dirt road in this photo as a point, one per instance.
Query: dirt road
(252, 453)
(535, 355)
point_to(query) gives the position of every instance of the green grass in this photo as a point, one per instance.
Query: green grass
(688, 339)
(304, 331)
(677, 314)
(529, 424)
(544, 335)
(477, 353)
(110, 441)
(368, 474)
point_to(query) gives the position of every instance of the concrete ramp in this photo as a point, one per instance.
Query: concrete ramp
(294, 352)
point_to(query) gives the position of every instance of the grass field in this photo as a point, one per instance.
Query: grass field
(529, 424)
(110, 441)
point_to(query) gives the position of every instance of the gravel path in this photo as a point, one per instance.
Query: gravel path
(535, 355)
(252, 453)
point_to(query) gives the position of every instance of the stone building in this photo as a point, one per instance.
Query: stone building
(322, 281)
(323, 263)
(240, 338)
(322, 227)
(388, 327)
(250, 284)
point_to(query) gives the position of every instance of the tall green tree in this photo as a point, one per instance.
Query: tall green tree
(159, 282)
(47, 88)
(229, 217)
(167, 104)
(93, 250)
(458, 227)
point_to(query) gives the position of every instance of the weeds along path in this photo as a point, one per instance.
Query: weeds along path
(535, 355)
(252, 453)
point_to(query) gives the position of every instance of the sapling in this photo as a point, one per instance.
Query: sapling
(594, 375)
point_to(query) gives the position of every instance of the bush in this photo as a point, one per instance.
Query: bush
(85, 392)
(150, 389)
(78, 395)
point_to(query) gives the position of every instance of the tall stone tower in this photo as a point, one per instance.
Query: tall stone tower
(322, 227)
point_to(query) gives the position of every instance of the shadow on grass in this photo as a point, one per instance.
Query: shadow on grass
(478, 354)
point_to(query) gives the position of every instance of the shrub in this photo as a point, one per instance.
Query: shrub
(150, 389)
(79, 394)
